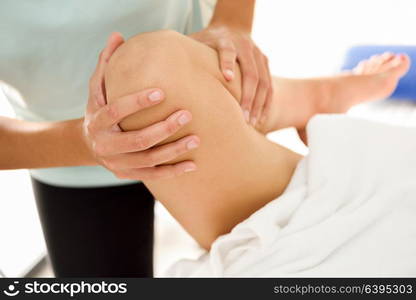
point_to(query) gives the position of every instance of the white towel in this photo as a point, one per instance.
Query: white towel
(350, 210)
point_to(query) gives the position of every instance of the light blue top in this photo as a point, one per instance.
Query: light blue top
(49, 49)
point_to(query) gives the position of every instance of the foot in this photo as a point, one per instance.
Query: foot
(298, 100)
(372, 79)
(388, 67)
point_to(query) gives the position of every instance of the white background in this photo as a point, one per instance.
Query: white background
(301, 38)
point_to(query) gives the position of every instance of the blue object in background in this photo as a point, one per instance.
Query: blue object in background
(406, 89)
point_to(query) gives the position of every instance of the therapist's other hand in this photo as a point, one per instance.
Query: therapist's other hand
(236, 45)
(132, 155)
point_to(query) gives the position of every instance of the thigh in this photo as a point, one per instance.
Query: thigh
(97, 232)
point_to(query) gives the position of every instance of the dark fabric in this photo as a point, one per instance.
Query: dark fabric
(97, 232)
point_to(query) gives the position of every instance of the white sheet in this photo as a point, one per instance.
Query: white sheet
(350, 210)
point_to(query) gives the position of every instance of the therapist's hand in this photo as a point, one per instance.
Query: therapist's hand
(131, 155)
(236, 45)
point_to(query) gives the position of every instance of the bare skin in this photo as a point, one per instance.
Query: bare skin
(238, 169)
(372, 79)
(229, 32)
(87, 141)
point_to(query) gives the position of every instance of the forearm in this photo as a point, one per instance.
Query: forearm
(42, 144)
(236, 14)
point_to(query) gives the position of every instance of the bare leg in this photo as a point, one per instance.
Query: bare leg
(297, 100)
(239, 170)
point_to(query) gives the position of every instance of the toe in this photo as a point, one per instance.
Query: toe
(375, 63)
(380, 63)
(400, 64)
(385, 62)
(365, 66)
(360, 68)
(396, 66)
(386, 56)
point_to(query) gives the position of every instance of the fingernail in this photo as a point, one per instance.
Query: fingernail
(155, 96)
(183, 119)
(190, 168)
(247, 116)
(254, 121)
(229, 74)
(192, 145)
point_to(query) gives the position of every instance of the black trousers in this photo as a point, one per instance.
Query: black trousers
(97, 232)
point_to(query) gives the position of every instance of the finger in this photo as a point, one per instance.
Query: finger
(249, 81)
(269, 99)
(262, 87)
(140, 140)
(96, 87)
(114, 41)
(227, 57)
(267, 107)
(154, 156)
(159, 172)
(113, 113)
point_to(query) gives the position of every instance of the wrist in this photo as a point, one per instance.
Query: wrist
(82, 142)
(234, 14)
(229, 26)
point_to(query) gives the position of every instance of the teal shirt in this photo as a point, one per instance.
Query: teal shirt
(49, 50)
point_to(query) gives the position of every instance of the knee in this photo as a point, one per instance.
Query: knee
(180, 66)
(167, 57)
(149, 57)
(151, 60)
